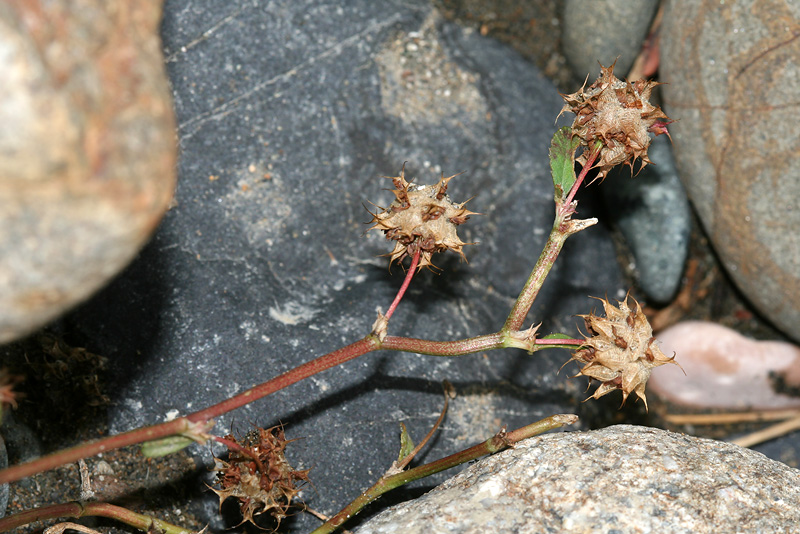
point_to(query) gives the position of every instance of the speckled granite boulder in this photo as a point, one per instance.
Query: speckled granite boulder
(87, 150)
(622, 479)
(732, 74)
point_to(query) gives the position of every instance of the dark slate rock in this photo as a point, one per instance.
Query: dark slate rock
(288, 114)
(652, 212)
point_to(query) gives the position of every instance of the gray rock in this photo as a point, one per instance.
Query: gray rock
(652, 212)
(732, 74)
(604, 30)
(87, 151)
(622, 479)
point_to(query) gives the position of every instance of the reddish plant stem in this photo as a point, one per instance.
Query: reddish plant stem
(184, 424)
(584, 171)
(77, 509)
(233, 446)
(444, 348)
(406, 283)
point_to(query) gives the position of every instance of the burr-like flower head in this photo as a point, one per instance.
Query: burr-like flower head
(619, 115)
(259, 476)
(620, 350)
(422, 217)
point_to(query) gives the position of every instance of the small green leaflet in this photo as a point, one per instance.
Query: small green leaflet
(406, 443)
(562, 162)
(556, 336)
(162, 447)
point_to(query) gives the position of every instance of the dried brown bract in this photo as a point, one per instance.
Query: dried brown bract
(259, 475)
(619, 115)
(620, 350)
(422, 217)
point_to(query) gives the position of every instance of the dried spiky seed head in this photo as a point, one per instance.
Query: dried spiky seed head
(619, 115)
(259, 475)
(620, 350)
(421, 218)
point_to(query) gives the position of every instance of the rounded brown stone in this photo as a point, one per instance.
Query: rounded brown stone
(87, 150)
(732, 75)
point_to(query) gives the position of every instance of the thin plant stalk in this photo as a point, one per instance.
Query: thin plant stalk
(494, 444)
(555, 241)
(409, 275)
(76, 509)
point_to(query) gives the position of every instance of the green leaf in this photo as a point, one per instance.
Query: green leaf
(406, 443)
(557, 336)
(165, 446)
(562, 162)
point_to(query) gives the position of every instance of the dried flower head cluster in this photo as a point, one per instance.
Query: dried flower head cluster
(421, 218)
(258, 475)
(619, 115)
(8, 397)
(620, 350)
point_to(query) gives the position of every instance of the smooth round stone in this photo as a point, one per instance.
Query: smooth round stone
(732, 75)
(724, 369)
(87, 150)
(604, 31)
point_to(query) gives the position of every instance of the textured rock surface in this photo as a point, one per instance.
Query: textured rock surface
(604, 30)
(622, 479)
(3, 487)
(288, 116)
(652, 212)
(725, 369)
(732, 74)
(87, 150)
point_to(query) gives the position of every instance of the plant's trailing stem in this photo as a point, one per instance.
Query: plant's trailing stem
(445, 348)
(494, 444)
(76, 509)
(186, 424)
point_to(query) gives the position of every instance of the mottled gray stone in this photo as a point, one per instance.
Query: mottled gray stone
(622, 479)
(732, 73)
(652, 212)
(604, 30)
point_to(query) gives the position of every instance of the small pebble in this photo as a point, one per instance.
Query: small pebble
(724, 369)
